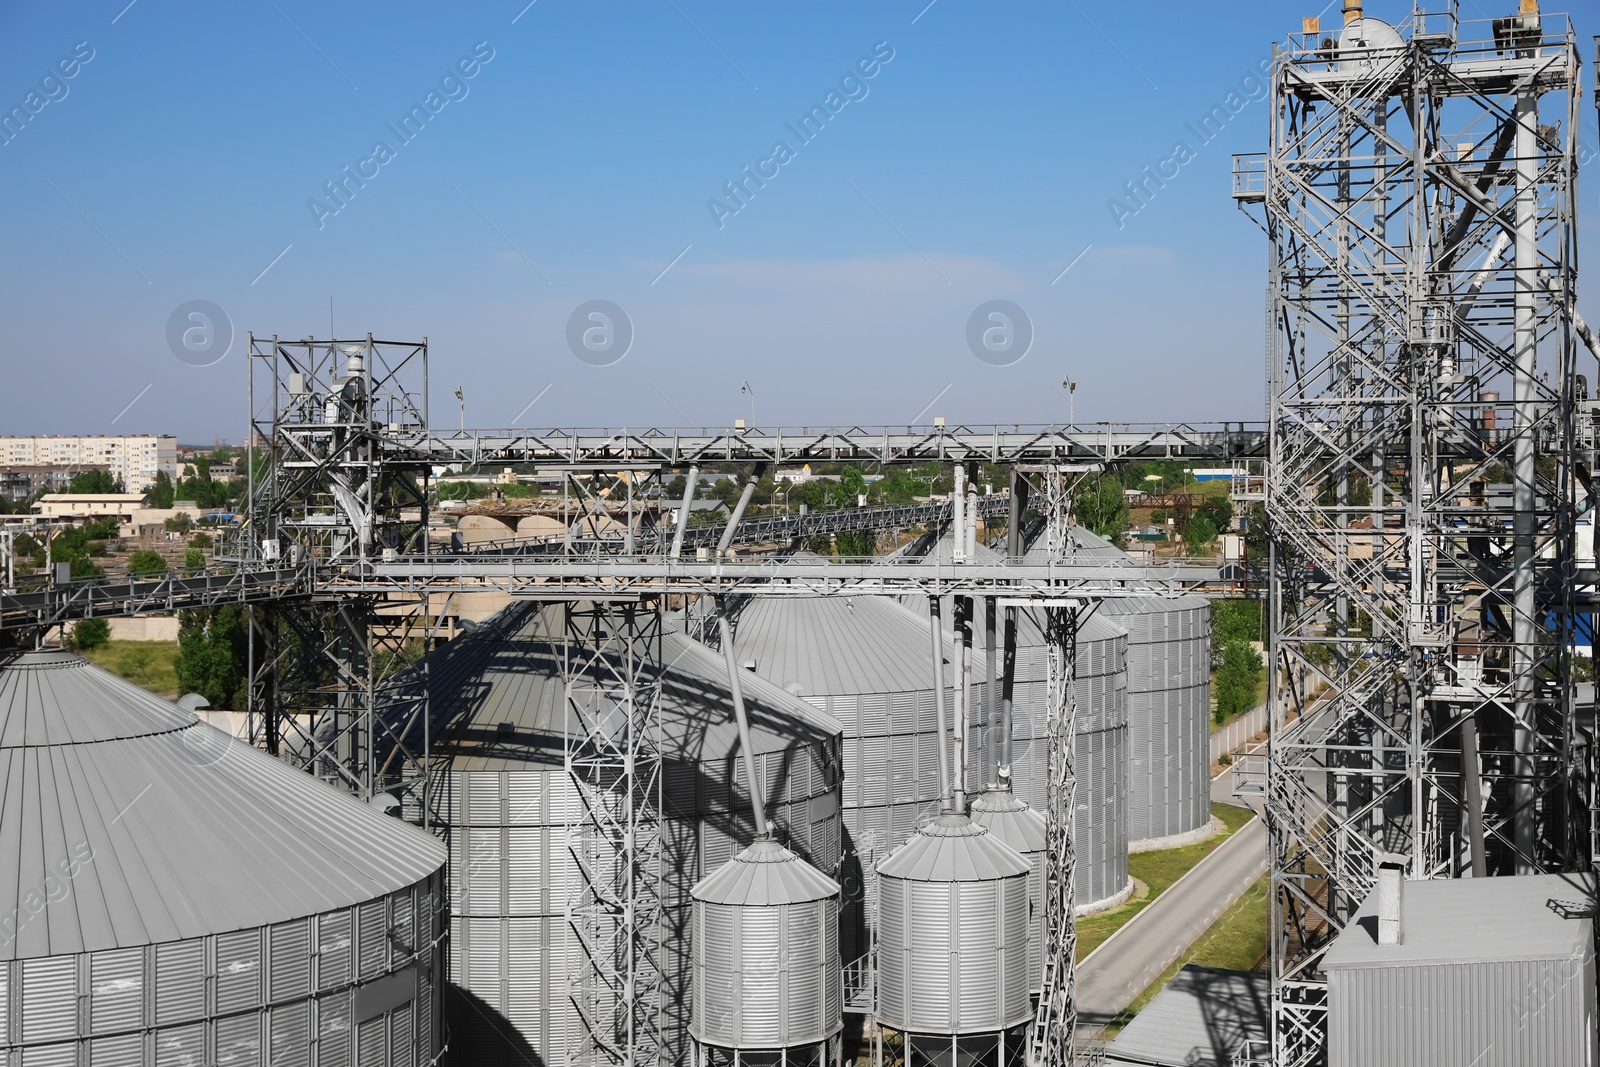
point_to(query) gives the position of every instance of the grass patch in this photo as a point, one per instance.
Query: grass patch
(147, 664)
(1235, 942)
(1158, 870)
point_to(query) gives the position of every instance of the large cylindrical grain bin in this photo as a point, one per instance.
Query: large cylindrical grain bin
(867, 662)
(1100, 817)
(1169, 712)
(500, 722)
(1022, 828)
(1169, 705)
(952, 947)
(766, 964)
(174, 896)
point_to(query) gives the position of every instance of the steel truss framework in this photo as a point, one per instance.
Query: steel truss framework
(338, 578)
(612, 664)
(1419, 199)
(1053, 1037)
(325, 496)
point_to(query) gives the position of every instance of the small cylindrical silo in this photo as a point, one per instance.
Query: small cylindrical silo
(1021, 827)
(867, 661)
(766, 962)
(952, 949)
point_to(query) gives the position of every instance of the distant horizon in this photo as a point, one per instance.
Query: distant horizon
(845, 214)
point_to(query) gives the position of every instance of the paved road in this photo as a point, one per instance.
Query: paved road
(1114, 974)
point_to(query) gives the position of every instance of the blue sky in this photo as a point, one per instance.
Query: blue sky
(576, 163)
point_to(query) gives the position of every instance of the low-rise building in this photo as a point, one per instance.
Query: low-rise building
(121, 506)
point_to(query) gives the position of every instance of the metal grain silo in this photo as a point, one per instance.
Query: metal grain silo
(1100, 821)
(500, 720)
(952, 948)
(766, 966)
(1169, 712)
(1169, 706)
(173, 896)
(1023, 829)
(868, 662)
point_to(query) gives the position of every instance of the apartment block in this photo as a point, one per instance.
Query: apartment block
(133, 458)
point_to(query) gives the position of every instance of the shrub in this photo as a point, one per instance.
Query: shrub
(91, 633)
(146, 563)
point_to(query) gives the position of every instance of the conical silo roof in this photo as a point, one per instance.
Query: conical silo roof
(765, 875)
(953, 848)
(170, 829)
(835, 646)
(1030, 630)
(499, 701)
(1009, 820)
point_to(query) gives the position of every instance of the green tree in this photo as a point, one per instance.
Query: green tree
(161, 492)
(211, 655)
(146, 564)
(1236, 680)
(91, 633)
(194, 559)
(1199, 531)
(1101, 507)
(856, 543)
(854, 484)
(200, 540)
(1234, 620)
(93, 483)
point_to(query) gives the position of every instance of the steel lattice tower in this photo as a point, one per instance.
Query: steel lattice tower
(1419, 200)
(327, 495)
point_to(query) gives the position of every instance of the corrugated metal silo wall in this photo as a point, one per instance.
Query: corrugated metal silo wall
(768, 977)
(1169, 707)
(951, 955)
(891, 785)
(513, 955)
(353, 986)
(1100, 824)
(1493, 1014)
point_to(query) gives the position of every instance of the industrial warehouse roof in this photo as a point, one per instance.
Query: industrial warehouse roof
(499, 702)
(765, 875)
(836, 646)
(952, 848)
(1475, 920)
(129, 822)
(1199, 1018)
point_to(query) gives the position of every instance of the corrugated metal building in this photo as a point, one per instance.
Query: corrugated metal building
(1493, 972)
(500, 722)
(867, 662)
(172, 896)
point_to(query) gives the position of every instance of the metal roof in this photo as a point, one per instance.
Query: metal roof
(499, 702)
(1030, 631)
(136, 823)
(1009, 820)
(1474, 920)
(1090, 547)
(837, 646)
(765, 875)
(953, 848)
(1198, 1018)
